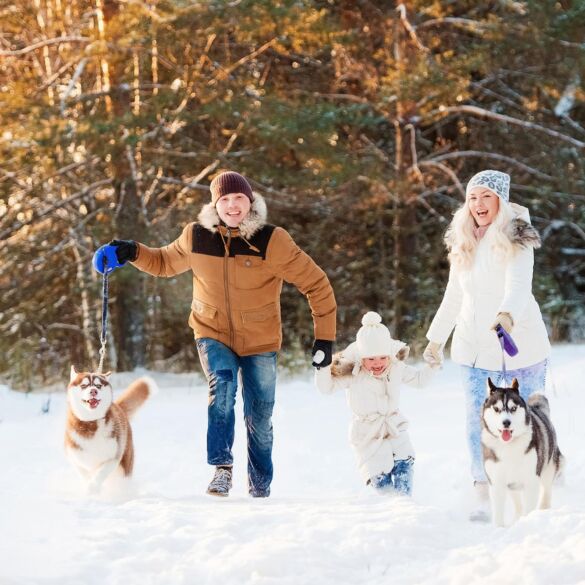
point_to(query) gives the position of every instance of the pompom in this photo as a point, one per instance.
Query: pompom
(371, 318)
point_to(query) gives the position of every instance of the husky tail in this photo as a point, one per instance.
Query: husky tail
(539, 402)
(136, 394)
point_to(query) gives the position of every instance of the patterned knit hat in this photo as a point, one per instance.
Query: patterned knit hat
(496, 181)
(227, 183)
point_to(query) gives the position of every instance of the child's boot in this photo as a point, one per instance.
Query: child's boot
(402, 474)
(382, 482)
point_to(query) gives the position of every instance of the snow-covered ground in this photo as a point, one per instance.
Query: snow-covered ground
(320, 526)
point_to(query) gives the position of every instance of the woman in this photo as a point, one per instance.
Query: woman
(491, 251)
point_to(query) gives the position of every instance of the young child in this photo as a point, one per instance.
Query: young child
(372, 370)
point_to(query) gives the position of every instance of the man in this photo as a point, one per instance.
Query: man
(239, 263)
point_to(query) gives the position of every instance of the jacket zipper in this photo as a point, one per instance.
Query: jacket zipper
(227, 290)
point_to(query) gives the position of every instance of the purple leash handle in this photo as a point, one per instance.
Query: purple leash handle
(506, 341)
(508, 346)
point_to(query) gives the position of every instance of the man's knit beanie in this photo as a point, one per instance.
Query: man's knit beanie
(228, 183)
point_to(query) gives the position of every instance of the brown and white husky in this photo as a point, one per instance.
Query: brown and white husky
(98, 436)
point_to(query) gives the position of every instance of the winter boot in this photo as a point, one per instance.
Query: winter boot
(259, 493)
(481, 507)
(221, 484)
(402, 473)
(382, 483)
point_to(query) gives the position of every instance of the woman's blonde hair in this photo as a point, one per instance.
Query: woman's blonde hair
(462, 242)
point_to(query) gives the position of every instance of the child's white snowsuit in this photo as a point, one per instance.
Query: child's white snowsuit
(378, 431)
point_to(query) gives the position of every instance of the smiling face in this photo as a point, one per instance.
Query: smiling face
(376, 365)
(484, 205)
(89, 395)
(504, 412)
(233, 209)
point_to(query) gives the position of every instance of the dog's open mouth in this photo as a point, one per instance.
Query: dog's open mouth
(93, 402)
(506, 434)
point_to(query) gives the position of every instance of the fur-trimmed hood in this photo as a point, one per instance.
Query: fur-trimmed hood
(347, 363)
(520, 231)
(255, 220)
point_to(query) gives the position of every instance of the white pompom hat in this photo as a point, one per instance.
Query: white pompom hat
(374, 339)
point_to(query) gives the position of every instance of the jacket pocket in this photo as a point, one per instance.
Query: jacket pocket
(205, 315)
(250, 272)
(261, 327)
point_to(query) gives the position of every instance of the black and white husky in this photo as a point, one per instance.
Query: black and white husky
(520, 451)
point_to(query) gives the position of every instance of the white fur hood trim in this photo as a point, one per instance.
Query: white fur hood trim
(255, 220)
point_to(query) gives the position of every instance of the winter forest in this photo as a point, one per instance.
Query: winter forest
(359, 122)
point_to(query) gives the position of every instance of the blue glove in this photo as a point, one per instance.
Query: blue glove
(114, 254)
(106, 254)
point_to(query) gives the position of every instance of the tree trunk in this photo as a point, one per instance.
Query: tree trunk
(129, 301)
(128, 298)
(88, 327)
(404, 212)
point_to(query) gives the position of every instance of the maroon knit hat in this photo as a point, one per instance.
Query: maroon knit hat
(229, 182)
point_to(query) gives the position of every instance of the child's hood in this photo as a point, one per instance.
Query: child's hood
(347, 363)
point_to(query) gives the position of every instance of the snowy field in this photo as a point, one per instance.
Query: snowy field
(320, 526)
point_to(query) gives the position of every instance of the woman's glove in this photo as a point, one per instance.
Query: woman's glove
(433, 354)
(505, 320)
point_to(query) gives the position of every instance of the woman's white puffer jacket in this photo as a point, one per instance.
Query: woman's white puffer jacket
(493, 285)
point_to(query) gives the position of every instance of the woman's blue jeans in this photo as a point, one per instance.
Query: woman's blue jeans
(221, 367)
(531, 379)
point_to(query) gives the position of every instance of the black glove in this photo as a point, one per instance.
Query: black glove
(327, 348)
(126, 250)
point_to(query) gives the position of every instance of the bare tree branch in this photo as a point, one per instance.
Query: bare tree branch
(223, 73)
(54, 77)
(41, 44)
(558, 224)
(37, 216)
(493, 156)
(401, 9)
(486, 114)
(529, 189)
(465, 23)
(447, 171)
(186, 184)
(78, 71)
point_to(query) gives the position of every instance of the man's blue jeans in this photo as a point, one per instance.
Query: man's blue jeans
(531, 379)
(221, 366)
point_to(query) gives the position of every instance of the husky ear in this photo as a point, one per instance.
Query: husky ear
(72, 374)
(515, 385)
(490, 386)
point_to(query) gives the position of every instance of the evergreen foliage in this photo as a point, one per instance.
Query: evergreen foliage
(358, 121)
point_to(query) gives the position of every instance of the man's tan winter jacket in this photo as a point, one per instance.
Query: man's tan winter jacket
(237, 279)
